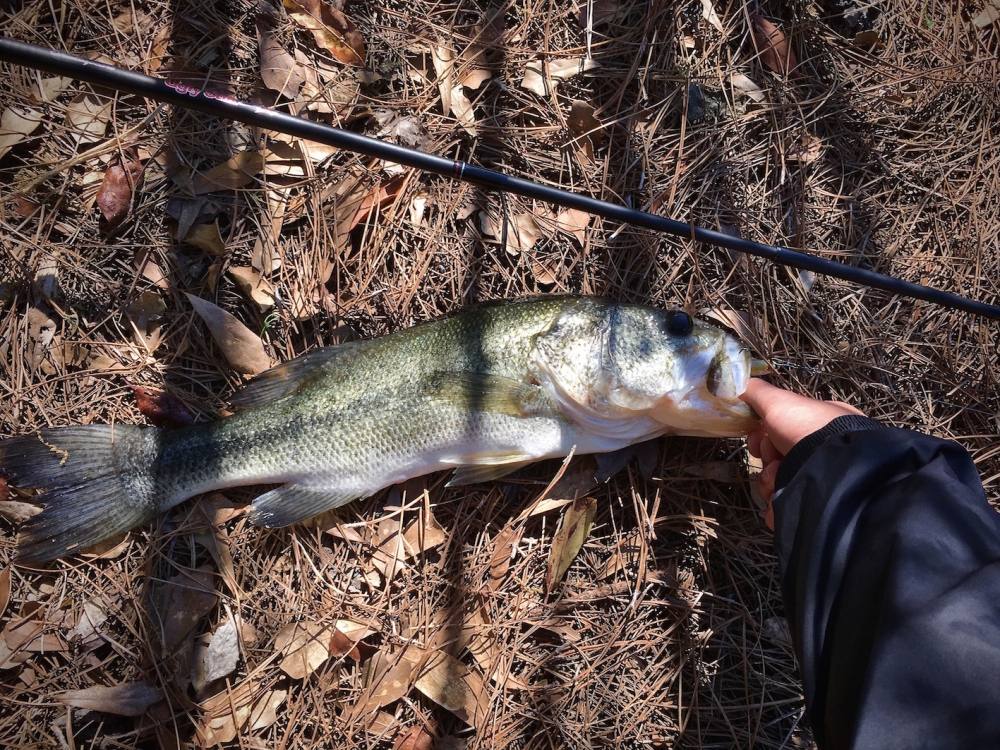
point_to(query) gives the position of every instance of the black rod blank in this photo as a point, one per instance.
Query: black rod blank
(205, 100)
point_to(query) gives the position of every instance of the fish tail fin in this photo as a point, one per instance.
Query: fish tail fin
(95, 480)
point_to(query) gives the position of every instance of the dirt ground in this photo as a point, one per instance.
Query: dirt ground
(421, 617)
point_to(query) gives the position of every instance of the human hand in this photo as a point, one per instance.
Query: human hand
(785, 418)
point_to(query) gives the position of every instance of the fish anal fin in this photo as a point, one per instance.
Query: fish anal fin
(291, 376)
(292, 503)
(476, 473)
(484, 392)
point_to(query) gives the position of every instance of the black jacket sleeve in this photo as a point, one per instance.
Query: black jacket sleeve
(890, 569)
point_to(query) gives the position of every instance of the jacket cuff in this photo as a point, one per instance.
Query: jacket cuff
(803, 449)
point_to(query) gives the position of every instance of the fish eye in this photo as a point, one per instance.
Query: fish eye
(679, 323)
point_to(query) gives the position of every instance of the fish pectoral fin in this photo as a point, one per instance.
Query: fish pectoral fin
(291, 376)
(483, 392)
(476, 473)
(292, 503)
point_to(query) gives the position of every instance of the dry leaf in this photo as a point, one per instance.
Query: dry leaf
(737, 321)
(443, 58)
(451, 684)
(417, 207)
(143, 312)
(387, 678)
(127, 699)
(868, 40)
(17, 512)
(114, 197)
(4, 579)
(278, 69)
(989, 15)
(283, 159)
(586, 129)
(807, 150)
(86, 632)
(461, 107)
(231, 174)
(219, 657)
(161, 408)
(745, 85)
(522, 233)
(473, 69)
(87, 116)
(415, 738)
(252, 284)
(381, 196)
(15, 126)
(504, 548)
(331, 29)
(41, 332)
(709, 14)
(305, 646)
(595, 12)
(182, 602)
(772, 45)
(569, 538)
(573, 222)
(48, 89)
(539, 74)
(207, 237)
(226, 713)
(241, 347)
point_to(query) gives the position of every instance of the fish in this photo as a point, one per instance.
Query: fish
(483, 392)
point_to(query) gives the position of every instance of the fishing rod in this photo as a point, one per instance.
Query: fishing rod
(203, 99)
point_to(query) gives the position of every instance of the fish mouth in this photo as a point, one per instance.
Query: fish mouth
(729, 372)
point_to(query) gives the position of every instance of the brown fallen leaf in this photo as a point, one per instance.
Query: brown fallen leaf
(443, 57)
(181, 603)
(539, 74)
(161, 408)
(462, 108)
(87, 116)
(595, 12)
(305, 646)
(709, 14)
(48, 89)
(144, 314)
(252, 284)
(868, 40)
(41, 333)
(569, 538)
(241, 347)
(207, 237)
(585, 129)
(219, 656)
(573, 222)
(988, 15)
(4, 575)
(16, 125)
(86, 633)
(17, 512)
(114, 197)
(807, 149)
(126, 699)
(279, 70)
(414, 738)
(388, 676)
(772, 45)
(248, 704)
(381, 196)
(236, 172)
(454, 686)
(522, 233)
(332, 30)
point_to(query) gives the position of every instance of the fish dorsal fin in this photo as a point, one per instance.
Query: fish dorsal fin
(484, 392)
(292, 503)
(291, 376)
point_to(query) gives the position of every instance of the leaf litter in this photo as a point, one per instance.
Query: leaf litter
(342, 246)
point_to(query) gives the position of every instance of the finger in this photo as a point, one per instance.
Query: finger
(768, 453)
(753, 443)
(759, 395)
(767, 515)
(766, 479)
(849, 408)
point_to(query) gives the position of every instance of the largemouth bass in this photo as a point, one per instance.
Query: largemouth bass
(483, 392)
